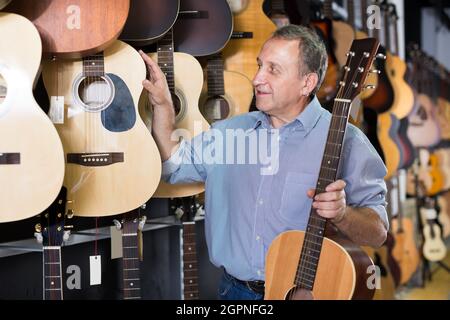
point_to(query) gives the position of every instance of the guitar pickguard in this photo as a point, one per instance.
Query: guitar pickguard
(120, 115)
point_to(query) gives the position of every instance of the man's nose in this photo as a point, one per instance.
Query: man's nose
(258, 78)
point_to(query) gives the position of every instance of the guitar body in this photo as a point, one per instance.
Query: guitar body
(405, 251)
(408, 151)
(280, 276)
(74, 28)
(423, 126)
(436, 174)
(131, 168)
(31, 154)
(343, 34)
(434, 248)
(188, 86)
(443, 116)
(387, 128)
(444, 165)
(379, 256)
(241, 51)
(207, 33)
(403, 95)
(237, 99)
(148, 20)
(443, 217)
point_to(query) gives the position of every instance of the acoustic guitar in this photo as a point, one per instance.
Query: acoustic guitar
(203, 27)
(443, 102)
(185, 79)
(74, 29)
(305, 264)
(112, 163)
(148, 20)
(405, 250)
(225, 94)
(434, 248)
(52, 232)
(31, 153)
(251, 29)
(443, 215)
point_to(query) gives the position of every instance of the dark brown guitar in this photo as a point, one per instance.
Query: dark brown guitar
(149, 20)
(74, 29)
(203, 27)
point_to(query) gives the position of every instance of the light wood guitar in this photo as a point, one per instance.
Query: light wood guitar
(434, 248)
(388, 126)
(436, 174)
(443, 155)
(31, 153)
(225, 94)
(112, 163)
(74, 29)
(251, 29)
(305, 264)
(443, 216)
(405, 250)
(443, 103)
(185, 79)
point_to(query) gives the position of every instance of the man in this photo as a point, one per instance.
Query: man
(248, 204)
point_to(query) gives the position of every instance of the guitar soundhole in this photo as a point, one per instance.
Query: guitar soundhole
(94, 94)
(297, 293)
(179, 104)
(215, 108)
(3, 89)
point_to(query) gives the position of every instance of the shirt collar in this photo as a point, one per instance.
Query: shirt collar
(307, 118)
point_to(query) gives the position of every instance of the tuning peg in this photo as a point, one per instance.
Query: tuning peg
(117, 224)
(70, 214)
(38, 227)
(142, 223)
(381, 56)
(38, 237)
(350, 53)
(66, 235)
(375, 71)
(144, 206)
(179, 213)
(369, 86)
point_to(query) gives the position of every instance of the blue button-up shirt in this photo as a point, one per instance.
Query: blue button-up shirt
(256, 179)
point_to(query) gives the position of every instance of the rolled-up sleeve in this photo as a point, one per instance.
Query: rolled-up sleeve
(186, 164)
(363, 171)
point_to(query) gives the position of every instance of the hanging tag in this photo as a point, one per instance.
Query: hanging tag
(56, 112)
(95, 270)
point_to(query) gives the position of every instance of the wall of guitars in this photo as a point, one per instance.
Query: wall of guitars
(80, 171)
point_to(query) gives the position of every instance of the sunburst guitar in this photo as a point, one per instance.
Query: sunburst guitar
(31, 154)
(306, 264)
(112, 163)
(185, 79)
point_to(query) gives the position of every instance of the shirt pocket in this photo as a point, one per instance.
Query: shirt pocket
(295, 204)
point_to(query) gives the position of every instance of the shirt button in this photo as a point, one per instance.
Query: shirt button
(261, 201)
(258, 272)
(257, 238)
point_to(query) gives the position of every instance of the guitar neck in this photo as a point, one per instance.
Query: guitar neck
(53, 289)
(315, 229)
(215, 76)
(165, 59)
(94, 66)
(131, 262)
(190, 264)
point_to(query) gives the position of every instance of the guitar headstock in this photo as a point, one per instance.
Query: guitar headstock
(52, 227)
(131, 222)
(359, 60)
(185, 208)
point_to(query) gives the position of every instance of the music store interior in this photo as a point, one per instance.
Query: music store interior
(83, 211)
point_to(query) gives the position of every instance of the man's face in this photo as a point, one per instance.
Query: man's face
(278, 82)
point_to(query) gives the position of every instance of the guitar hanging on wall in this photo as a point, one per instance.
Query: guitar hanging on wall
(305, 264)
(31, 154)
(112, 162)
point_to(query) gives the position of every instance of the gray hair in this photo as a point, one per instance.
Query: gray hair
(313, 54)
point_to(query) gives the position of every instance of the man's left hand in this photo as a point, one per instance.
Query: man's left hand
(330, 204)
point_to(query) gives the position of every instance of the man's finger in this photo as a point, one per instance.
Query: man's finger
(152, 67)
(336, 186)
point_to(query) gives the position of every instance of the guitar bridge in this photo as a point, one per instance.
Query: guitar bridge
(95, 159)
(10, 158)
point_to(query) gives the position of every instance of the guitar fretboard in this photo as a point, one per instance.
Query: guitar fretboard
(93, 66)
(312, 245)
(215, 69)
(130, 261)
(165, 59)
(190, 264)
(53, 289)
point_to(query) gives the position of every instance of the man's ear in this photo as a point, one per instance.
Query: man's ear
(311, 80)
